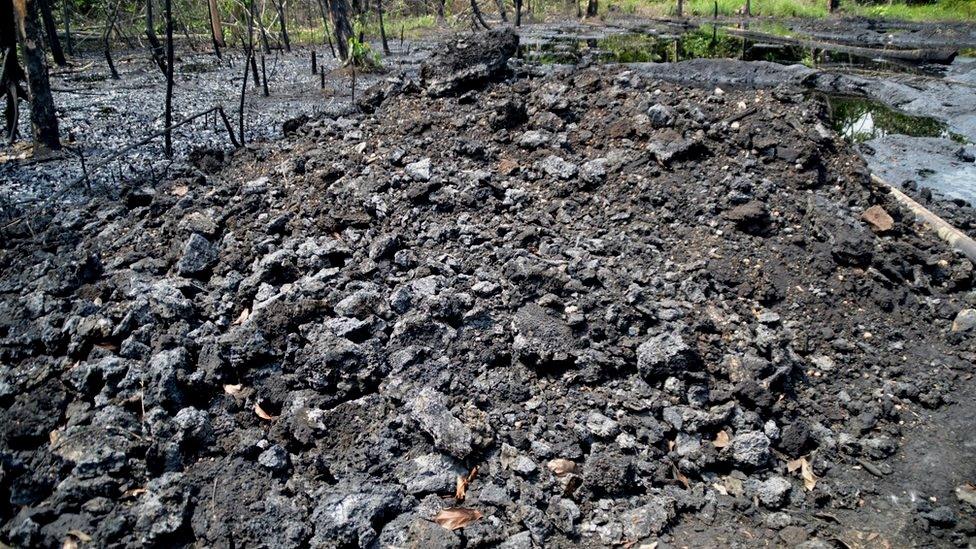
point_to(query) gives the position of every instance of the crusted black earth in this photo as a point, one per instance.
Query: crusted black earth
(643, 313)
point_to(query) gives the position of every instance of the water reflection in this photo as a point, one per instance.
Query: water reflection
(706, 41)
(859, 120)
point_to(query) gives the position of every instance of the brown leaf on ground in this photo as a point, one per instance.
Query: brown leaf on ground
(806, 472)
(561, 467)
(878, 218)
(680, 476)
(721, 440)
(80, 535)
(454, 518)
(261, 413)
(133, 492)
(242, 318)
(234, 390)
(462, 484)
(733, 485)
(794, 464)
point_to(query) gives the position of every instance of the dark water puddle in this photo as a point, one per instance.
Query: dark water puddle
(707, 42)
(859, 120)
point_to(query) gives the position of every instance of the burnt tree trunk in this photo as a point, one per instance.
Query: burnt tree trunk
(501, 10)
(264, 34)
(280, 6)
(325, 25)
(186, 33)
(833, 5)
(216, 32)
(156, 48)
(107, 42)
(518, 13)
(44, 120)
(681, 8)
(11, 74)
(249, 48)
(379, 12)
(51, 32)
(478, 18)
(168, 118)
(591, 8)
(440, 11)
(339, 14)
(66, 17)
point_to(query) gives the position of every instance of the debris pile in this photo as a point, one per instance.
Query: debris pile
(587, 309)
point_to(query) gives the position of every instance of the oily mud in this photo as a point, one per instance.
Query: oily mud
(586, 308)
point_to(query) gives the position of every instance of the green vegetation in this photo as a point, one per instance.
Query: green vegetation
(413, 19)
(361, 53)
(940, 10)
(943, 10)
(413, 26)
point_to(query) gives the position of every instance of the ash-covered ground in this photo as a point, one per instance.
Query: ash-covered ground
(620, 311)
(100, 116)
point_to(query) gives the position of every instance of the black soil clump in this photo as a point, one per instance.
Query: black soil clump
(621, 311)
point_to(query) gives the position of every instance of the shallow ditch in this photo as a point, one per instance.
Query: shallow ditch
(705, 42)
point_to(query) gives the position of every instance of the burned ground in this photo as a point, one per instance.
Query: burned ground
(642, 311)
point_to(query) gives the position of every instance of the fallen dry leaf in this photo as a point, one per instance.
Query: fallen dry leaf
(261, 413)
(794, 464)
(462, 484)
(69, 543)
(80, 535)
(133, 492)
(561, 467)
(680, 476)
(53, 437)
(454, 518)
(878, 218)
(806, 471)
(721, 440)
(242, 318)
(733, 485)
(234, 390)
(179, 190)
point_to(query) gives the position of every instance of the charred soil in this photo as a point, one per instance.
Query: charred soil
(642, 312)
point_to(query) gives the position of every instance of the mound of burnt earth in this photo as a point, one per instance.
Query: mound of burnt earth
(586, 309)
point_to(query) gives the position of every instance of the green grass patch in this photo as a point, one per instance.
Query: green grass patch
(941, 10)
(414, 26)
